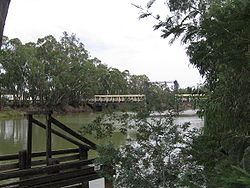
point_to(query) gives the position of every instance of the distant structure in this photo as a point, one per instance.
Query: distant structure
(117, 98)
(98, 102)
(189, 97)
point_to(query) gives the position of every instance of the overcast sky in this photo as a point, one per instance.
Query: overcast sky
(110, 30)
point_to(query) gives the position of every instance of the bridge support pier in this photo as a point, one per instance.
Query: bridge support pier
(95, 107)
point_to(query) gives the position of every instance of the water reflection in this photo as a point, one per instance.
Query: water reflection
(9, 129)
(190, 116)
(13, 134)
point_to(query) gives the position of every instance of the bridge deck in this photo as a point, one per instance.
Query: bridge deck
(117, 98)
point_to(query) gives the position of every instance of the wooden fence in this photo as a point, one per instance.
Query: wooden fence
(60, 168)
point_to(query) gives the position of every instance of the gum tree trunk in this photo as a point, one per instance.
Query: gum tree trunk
(4, 6)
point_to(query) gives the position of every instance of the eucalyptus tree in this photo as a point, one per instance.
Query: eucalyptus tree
(13, 61)
(217, 37)
(67, 69)
(35, 83)
(118, 83)
(51, 72)
(103, 77)
(138, 84)
(49, 53)
(80, 66)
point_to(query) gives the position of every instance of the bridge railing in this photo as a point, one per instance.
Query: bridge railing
(117, 98)
(189, 97)
(52, 168)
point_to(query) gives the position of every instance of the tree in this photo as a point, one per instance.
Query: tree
(137, 84)
(55, 72)
(217, 37)
(13, 61)
(154, 153)
(68, 69)
(48, 71)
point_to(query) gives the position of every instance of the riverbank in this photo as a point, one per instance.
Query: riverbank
(10, 113)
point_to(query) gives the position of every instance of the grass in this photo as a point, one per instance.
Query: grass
(10, 113)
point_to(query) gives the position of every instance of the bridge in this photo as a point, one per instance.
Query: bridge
(117, 98)
(189, 97)
(105, 99)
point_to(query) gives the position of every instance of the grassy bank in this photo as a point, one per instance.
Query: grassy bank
(10, 114)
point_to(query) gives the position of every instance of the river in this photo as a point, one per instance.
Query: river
(13, 132)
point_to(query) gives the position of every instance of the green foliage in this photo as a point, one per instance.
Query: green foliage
(155, 154)
(217, 36)
(55, 72)
(160, 98)
(99, 128)
(51, 73)
(236, 177)
(109, 159)
(222, 57)
(137, 84)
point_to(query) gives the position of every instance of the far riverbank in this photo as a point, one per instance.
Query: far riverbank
(10, 113)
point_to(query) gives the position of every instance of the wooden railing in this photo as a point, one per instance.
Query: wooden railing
(50, 168)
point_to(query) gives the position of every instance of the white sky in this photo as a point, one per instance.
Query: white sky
(110, 30)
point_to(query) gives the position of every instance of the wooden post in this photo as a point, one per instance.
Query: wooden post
(53, 162)
(48, 139)
(83, 153)
(108, 184)
(22, 156)
(29, 141)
